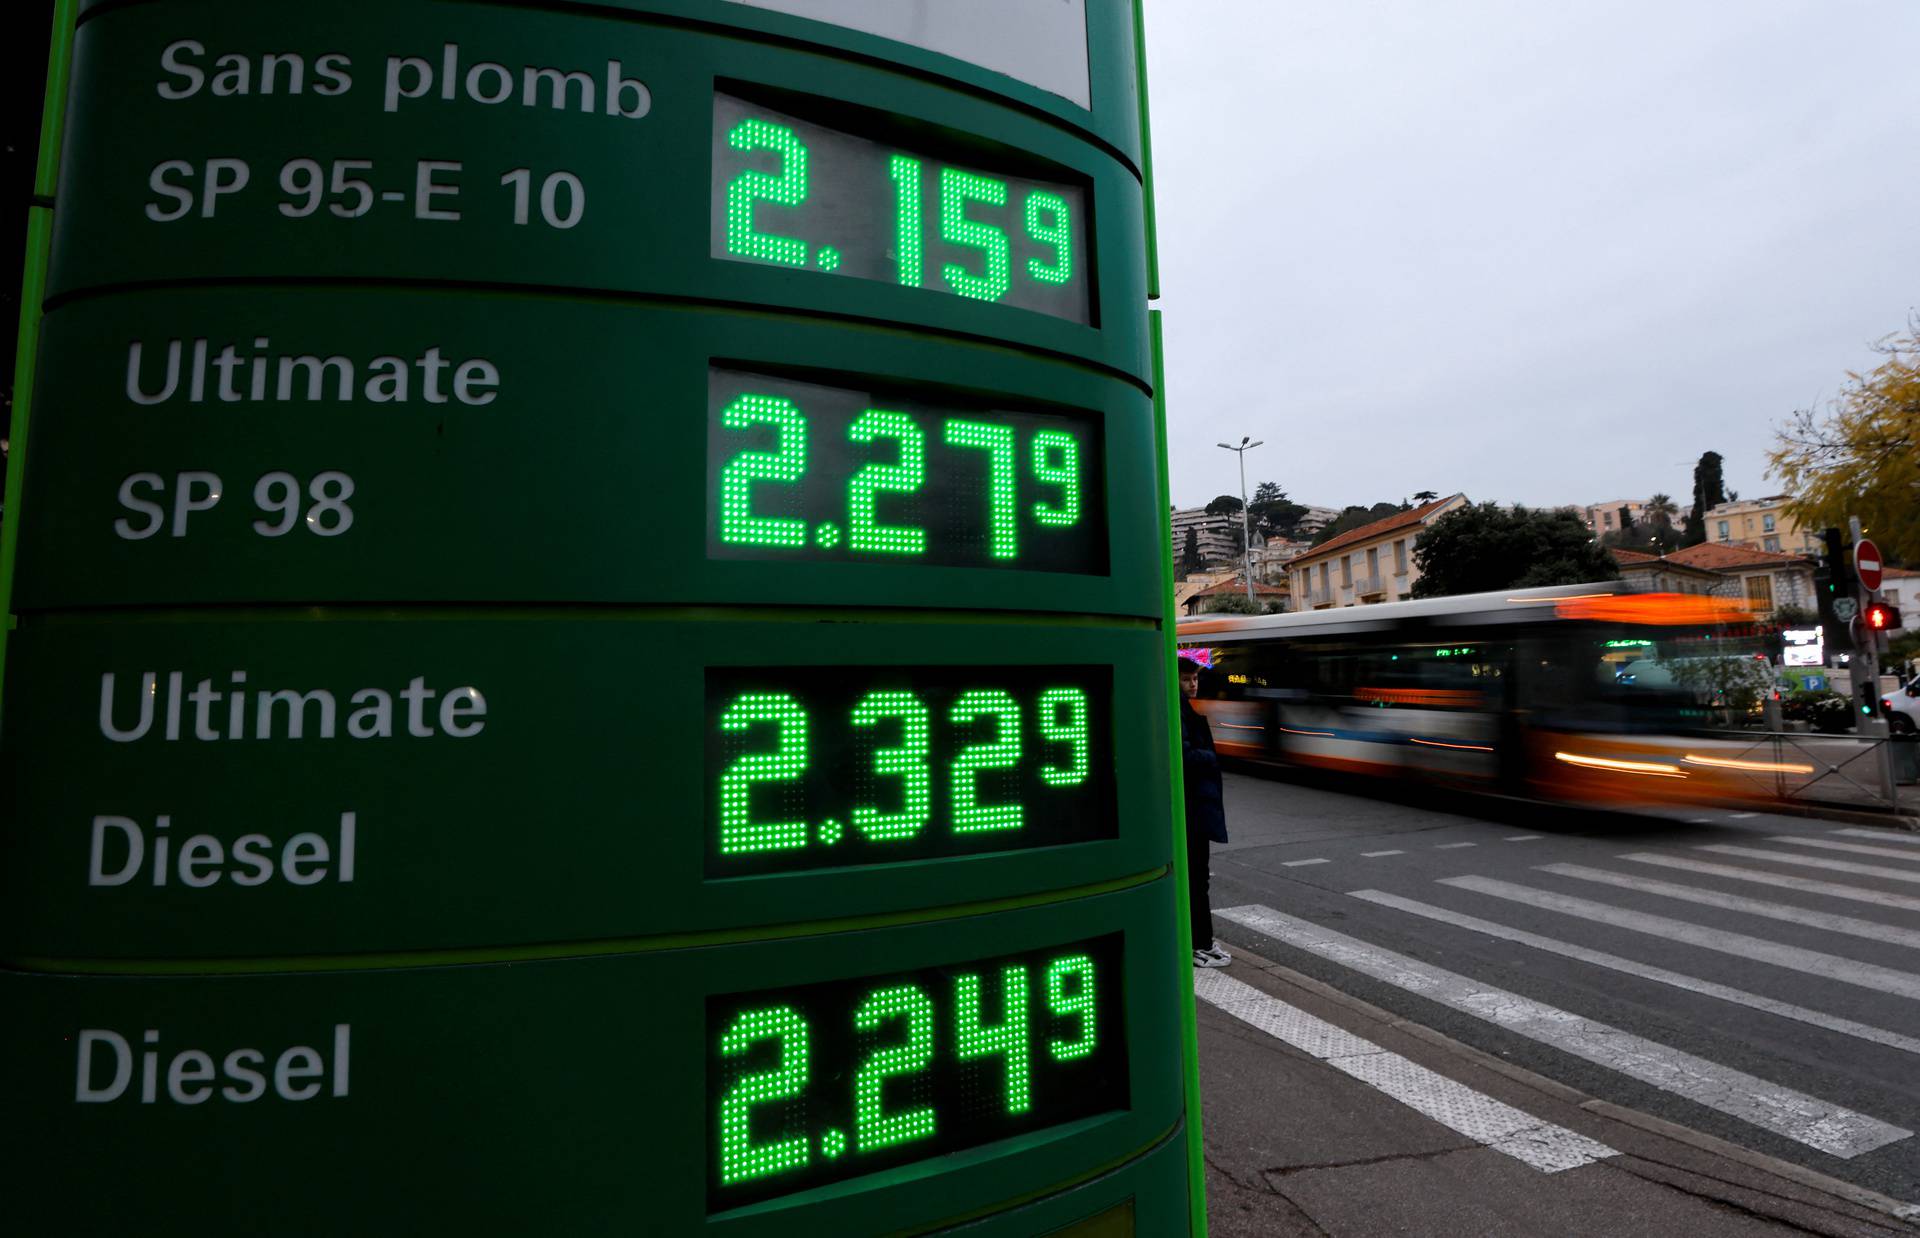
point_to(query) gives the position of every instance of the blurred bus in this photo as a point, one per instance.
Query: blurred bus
(1575, 693)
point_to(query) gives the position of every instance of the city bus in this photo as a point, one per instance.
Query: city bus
(1574, 693)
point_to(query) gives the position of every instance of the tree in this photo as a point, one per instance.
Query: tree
(1273, 513)
(1709, 490)
(1660, 511)
(1425, 496)
(1481, 548)
(1862, 458)
(1190, 553)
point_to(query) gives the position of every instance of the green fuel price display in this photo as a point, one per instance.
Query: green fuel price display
(801, 471)
(836, 766)
(824, 1082)
(795, 194)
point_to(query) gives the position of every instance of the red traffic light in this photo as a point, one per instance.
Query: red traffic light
(1880, 617)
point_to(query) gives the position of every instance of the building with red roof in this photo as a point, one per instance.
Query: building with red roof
(1373, 563)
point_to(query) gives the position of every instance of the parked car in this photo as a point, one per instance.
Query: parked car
(1903, 708)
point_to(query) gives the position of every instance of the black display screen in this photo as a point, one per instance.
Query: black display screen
(790, 193)
(817, 767)
(812, 473)
(814, 1084)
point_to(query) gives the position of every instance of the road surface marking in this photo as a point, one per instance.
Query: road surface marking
(1850, 925)
(1809, 885)
(1820, 1124)
(1793, 958)
(1708, 988)
(1741, 816)
(1454, 1105)
(1451, 846)
(1298, 863)
(1828, 844)
(1369, 855)
(1885, 836)
(1521, 838)
(1700, 820)
(1812, 861)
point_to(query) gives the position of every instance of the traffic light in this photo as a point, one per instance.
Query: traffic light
(1880, 617)
(1833, 582)
(1869, 701)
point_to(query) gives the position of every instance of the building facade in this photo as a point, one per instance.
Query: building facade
(1762, 524)
(1373, 563)
(1218, 536)
(1613, 515)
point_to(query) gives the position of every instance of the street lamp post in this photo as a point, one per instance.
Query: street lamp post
(1246, 535)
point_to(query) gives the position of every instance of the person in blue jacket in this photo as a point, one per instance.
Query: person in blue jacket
(1206, 814)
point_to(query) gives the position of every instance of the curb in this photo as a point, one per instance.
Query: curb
(1859, 1195)
(1885, 820)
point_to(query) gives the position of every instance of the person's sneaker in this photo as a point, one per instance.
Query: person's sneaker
(1211, 956)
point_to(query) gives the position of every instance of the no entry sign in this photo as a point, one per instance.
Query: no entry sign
(1866, 561)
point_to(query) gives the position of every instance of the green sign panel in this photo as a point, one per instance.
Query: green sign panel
(588, 646)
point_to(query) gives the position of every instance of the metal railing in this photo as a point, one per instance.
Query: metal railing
(1868, 771)
(1368, 586)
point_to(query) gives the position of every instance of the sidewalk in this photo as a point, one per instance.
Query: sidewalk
(1316, 1115)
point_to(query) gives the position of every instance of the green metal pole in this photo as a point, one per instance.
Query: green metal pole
(1189, 1028)
(33, 286)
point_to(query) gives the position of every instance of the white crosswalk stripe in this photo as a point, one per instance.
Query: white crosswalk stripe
(1885, 836)
(1543, 1145)
(1613, 962)
(1784, 881)
(1828, 844)
(1795, 958)
(1813, 861)
(1853, 926)
(1816, 1123)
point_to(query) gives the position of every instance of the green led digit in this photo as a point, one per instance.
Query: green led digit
(1070, 991)
(1003, 752)
(787, 462)
(1063, 720)
(957, 188)
(1048, 446)
(908, 763)
(1054, 232)
(752, 185)
(997, 442)
(1009, 1039)
(905, 171)
(905, 477)
(873, 1127)
(739, 832)
(740, 1158)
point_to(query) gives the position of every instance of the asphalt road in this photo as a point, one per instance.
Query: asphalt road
(1768, 995)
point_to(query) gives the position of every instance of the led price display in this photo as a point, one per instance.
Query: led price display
(790, 193)
(815, 767)
(815, 1084)
(799, 471)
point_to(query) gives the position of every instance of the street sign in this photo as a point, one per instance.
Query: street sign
(591, 644)
(1866, 562)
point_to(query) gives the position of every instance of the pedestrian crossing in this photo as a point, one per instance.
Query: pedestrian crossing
(1769, 920)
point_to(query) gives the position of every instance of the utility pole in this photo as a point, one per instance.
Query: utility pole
(1866, 659)
(1246, 534)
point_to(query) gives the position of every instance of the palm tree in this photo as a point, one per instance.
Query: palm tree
(1660, 509)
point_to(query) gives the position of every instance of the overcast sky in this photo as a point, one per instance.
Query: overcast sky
(1536, 250)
